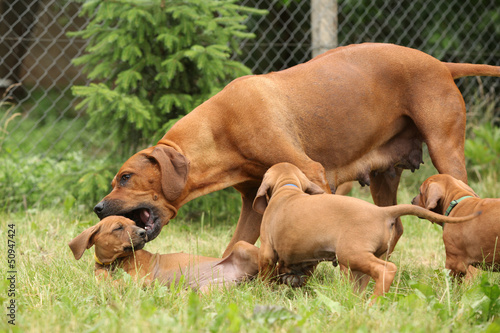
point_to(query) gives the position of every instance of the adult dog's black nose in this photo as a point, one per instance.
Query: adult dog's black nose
(99, 208)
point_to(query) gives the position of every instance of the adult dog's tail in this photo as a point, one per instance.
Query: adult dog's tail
(459, 70)
(406, 209)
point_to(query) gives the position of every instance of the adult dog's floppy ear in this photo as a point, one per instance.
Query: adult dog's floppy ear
(83, 241)
(174, 169)
(260, 201)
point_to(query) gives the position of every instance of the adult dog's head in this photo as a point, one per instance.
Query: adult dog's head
(114, 237)
(146, 188)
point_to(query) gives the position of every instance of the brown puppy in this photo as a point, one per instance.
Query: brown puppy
(359, 112)
(299, 230)
(118, 243)
(475, 243)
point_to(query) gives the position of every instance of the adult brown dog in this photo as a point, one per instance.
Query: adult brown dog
(359, 112)
(118, 243)
(299, 230)
(475, 243)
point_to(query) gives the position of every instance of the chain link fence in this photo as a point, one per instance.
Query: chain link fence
(37, 111)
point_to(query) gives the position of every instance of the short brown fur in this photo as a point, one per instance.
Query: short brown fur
(475, 243)
(301, 227)
(359, 112)
(118, 243)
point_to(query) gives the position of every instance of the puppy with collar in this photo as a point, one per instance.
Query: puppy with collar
(475, 243)
(302, 226)
(118, 244)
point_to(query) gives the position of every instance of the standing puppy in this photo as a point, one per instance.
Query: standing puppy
(299, 230)
(118, 244)
(470, 244)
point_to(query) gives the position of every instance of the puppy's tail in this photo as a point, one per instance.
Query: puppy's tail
(459, 70)
(406, 209)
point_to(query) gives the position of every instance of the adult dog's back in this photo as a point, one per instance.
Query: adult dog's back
(359, 112)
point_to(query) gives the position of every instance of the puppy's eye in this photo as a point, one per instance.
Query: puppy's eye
(118, 228)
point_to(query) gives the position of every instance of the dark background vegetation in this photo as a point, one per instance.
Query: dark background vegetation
(147, 64)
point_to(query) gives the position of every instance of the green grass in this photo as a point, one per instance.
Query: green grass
(56, 293)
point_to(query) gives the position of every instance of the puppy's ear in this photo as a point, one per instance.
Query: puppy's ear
(260, 201)
(83, 241)
(174, 169)
(313, 188)
(434, 194)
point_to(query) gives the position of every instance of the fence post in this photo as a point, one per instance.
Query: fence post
(324, 23)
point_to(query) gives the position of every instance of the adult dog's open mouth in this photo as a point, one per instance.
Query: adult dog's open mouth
(145, 218)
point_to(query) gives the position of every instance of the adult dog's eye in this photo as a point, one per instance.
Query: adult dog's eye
(124, 179)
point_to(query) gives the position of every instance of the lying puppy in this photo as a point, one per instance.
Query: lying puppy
(475, 243)
(300, 230)
(119, 242)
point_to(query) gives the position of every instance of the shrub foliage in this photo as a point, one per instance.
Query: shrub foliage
(154, 61)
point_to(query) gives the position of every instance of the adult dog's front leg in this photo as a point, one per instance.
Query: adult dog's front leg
(248, 227)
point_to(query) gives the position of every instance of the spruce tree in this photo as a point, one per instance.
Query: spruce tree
(152, 62)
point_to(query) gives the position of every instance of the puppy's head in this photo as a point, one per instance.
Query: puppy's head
(113, 237)
(437, 191)
(279, 175)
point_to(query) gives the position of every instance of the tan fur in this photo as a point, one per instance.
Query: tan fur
(475, 243)
(114, 238)
(299, 230)
(359, 112)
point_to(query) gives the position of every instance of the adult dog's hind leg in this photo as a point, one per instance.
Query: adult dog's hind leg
(384, 190)
(440, 117)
